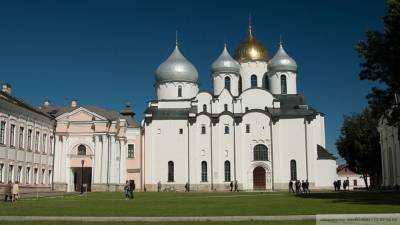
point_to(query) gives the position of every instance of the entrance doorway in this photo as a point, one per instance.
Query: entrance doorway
(86, 178)
(259, 178)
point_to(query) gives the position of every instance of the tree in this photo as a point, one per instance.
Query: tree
(359, 145)
(381, 62)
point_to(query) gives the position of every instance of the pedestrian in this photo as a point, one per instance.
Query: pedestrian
(303, 186)
(344, 185)
(159, 186)
(335, 185)
(236, 186)
(15, 191)
(231, 185)
(126, 190)
(308, 186)
(7, 191)
(187, 187)
(297, 184)
(339, 183)
(132, 187)
(291, 190)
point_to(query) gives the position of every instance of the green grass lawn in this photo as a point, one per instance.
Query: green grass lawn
(204, 204)
(164, 223)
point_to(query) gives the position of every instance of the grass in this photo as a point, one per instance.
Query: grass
(164, 223)
(204, 204)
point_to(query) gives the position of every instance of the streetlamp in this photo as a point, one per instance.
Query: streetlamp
(82, 162)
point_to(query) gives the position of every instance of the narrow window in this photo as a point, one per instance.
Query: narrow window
(203, 129)
(12, 135)
(43, 176)
(50, 177)
(283, 84)
(227, 171)
(226, 129)
(260, 153)
(247, 128)
(1, 173)
(131, 151)
(35, 176)
(10, 172)
(81, 150)
(51, 144)
(180, 131)
(170, 171)
(228, 83)
(246, 109)
(225, 107)
(2, 132)
(253, 81)
(30, 139)
(27, 176)
(21, 138)
(44, 143)
(266, 81)
(204, 171)
(37, 141)
(179, 91)
(293, 170)
(204, 108)
(19, 171)
(354, 183)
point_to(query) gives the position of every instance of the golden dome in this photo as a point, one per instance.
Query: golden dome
(251, 50)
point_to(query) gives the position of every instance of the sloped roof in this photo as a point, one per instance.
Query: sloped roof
(324, 154)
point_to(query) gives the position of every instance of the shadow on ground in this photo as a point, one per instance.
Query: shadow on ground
(358, 197)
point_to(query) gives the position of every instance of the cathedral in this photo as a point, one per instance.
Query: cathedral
(253, 128)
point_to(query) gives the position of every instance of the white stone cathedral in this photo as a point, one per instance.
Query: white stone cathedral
(254, 128)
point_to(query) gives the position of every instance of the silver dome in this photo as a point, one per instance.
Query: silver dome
(282, 61)
(225, 63)
(176, 68)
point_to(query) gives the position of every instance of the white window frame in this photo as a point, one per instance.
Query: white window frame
(3, 132)
(1, 172)
(21, 138)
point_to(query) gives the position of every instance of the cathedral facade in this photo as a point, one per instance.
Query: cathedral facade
(253, 128)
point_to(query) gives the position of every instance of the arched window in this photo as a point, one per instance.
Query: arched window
(226, 129)
(228, 83)
(81, 150)
(179, 91)
(227, 171)
(283, 84)
(260, 153)
(170, 171)
(266, 81)
(204, 108)
(293, 170)
(253, 80)
(204, 171)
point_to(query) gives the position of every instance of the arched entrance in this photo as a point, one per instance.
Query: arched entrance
(259, 178)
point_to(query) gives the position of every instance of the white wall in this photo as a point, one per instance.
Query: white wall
(275, 82)
(169, 90)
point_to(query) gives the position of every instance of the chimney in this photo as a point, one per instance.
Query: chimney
(6, 88)
(46, 103)
(74, 103)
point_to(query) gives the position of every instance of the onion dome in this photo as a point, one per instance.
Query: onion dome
(225, 63)
(176, 68)
(251, 50)
(282, 61)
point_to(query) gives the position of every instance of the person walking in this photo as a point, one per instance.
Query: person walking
(158, 186)
(291, 190)
(126, 190)
(7, 191)
(297, 184)
(308, 186)
(15, 191)
(236, 186)
(231, 186)
(132, 187)
(187, 187)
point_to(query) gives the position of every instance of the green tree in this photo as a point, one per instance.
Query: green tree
(381, 63)
(359, 145)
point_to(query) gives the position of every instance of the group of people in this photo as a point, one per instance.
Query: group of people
(11, 191)
(338, 183)
(129, 188)
(234, 186)
(301, 187)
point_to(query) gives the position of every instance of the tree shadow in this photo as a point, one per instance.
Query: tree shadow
(358, 197)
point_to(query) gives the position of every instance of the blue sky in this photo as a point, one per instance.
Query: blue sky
(105, 52)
